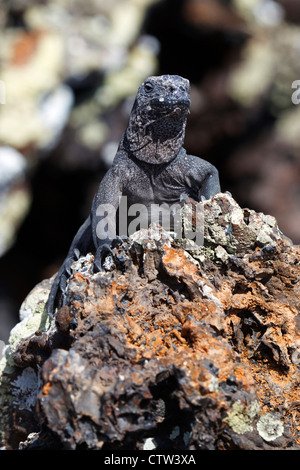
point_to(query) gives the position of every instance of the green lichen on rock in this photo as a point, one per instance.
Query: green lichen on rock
(235, 229)
(241, 416)
(18, 386)
(33, 317)
(227, 229)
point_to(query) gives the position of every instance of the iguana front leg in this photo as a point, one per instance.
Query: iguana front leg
(103, 215)
(211, 184)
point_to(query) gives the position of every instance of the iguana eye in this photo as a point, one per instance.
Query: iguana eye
(148, 87)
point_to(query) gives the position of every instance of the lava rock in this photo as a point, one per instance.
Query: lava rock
(194, 348)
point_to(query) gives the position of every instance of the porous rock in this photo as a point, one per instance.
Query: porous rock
(191, 349)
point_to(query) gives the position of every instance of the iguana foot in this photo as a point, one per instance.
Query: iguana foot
(105, 250)
(101, 253)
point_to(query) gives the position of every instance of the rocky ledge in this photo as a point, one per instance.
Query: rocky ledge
(167, 348)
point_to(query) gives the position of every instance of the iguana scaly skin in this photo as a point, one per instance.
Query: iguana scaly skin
(150, 167)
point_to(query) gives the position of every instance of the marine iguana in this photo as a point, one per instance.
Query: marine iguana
(150, 167)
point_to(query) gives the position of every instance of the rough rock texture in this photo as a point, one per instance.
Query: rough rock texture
(81, 63)
(167, 349)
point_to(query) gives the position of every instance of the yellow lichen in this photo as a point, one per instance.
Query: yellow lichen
(241, 416)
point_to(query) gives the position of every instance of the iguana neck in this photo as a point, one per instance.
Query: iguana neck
(157, 141)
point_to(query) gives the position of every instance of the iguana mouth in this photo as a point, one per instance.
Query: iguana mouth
(169, 105)
(178, 109)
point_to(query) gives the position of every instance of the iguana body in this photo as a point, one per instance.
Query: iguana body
(150, 167)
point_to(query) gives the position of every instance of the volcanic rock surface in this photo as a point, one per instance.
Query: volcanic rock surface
(167, 348)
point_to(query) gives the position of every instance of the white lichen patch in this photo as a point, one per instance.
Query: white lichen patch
(84, 265)
(214, 383)
(208, 293)
(221, 253)
(237, 216)
(241, 416)
(269, 427)
(149, 444)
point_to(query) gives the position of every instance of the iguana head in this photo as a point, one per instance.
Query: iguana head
(156, 127)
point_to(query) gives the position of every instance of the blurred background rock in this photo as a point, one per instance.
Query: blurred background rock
(69, 71)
